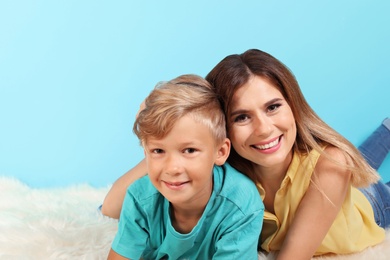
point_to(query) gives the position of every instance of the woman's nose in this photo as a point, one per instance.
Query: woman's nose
(262, 126)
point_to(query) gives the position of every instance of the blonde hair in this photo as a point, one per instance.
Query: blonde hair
(312, 133)
(171, 100)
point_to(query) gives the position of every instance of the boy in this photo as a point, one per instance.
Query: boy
(190, 205)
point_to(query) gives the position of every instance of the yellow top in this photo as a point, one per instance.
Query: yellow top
(353, 230)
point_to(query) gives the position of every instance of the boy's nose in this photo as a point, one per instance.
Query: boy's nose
(173, 166)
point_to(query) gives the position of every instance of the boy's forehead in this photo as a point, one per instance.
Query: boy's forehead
(190, 128)
(202, 137)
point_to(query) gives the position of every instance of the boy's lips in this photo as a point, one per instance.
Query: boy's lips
(175, 185)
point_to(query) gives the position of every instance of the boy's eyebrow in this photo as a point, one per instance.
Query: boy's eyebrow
(268, 103)
(152, 142)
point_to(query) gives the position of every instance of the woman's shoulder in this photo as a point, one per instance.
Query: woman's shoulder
(333, 163)
(332, 154)
(335, 153)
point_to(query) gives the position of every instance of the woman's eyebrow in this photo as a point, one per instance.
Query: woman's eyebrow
(273, 101)
(268, 103)
(238, 112)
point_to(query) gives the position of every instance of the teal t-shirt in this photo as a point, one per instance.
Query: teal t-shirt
(228, 229)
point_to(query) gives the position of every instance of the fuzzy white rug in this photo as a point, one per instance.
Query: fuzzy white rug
(65, 224)
(53, 223)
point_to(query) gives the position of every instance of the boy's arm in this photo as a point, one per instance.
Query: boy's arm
(115, 256)
(131, 238)
(240, 240)
(112, 204)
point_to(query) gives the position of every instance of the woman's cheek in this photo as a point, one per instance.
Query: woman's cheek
(235, 137)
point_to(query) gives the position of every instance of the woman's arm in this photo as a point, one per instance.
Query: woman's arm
(318, 208)
(112, 204)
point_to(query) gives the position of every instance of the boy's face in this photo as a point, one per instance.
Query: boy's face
(180, 164)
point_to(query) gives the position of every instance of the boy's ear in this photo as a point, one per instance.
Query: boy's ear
(223, 152)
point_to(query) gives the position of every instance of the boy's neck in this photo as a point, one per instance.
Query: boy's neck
(185, 217)
(185, 220)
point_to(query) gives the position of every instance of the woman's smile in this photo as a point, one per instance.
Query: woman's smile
(269, 147)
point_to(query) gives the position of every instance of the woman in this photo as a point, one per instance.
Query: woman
(306, 172)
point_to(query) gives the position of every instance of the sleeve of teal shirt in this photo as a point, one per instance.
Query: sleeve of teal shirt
(132, 234)
(241, 217)
(240, 240)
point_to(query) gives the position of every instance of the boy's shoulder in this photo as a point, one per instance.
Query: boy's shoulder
(236, 187)
(142, 188)
(232, 177)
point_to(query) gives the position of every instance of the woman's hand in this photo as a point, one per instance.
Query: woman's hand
(112, 204)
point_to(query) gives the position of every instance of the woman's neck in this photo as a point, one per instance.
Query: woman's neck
(270, 179)
(274, 174)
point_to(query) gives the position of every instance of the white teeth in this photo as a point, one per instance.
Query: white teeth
(267, 146)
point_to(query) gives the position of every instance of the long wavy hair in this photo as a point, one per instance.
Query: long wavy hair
(312, 133)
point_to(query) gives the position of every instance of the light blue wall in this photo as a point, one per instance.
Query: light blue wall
(73, 73)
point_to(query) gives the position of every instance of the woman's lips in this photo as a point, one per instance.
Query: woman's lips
(269, 147)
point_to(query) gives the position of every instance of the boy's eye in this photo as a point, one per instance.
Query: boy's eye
(157, 150)
(189, 150)
(240, 118)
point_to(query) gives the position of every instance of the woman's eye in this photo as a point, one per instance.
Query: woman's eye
(240, 118)
(273, 107)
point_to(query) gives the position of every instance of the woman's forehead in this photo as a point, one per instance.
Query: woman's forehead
(256, 89)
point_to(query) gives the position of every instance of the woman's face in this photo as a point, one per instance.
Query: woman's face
(262, 127)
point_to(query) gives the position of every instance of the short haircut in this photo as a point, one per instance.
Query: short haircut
(171, 100)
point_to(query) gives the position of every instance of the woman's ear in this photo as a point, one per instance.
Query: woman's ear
(223, 152)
